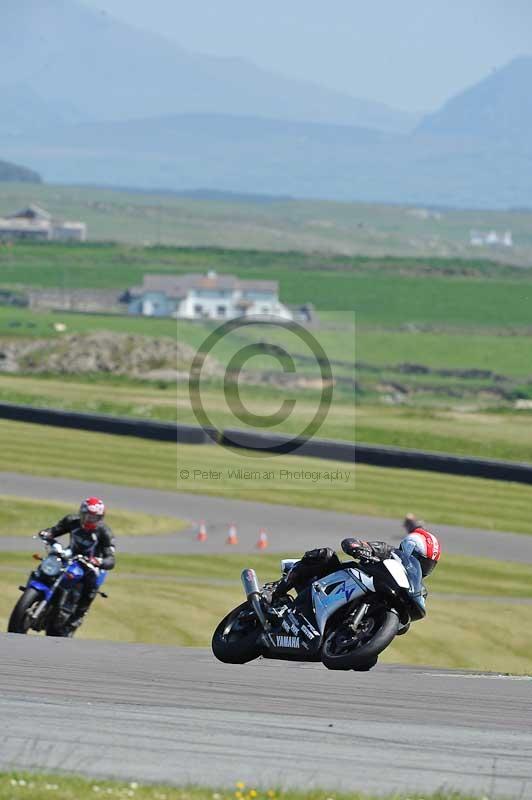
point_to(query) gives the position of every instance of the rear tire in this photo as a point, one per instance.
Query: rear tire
(18, 621)
(366, 667)
(343, 649)
(235, 640)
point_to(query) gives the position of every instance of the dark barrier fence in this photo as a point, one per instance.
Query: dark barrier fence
(102, 423)
(281, 443)
(275, 443)
(381, 456)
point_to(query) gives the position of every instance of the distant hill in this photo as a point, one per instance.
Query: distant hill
(249, 155)
(14, 173)
(499, 107)
(86, 60)
(23, 109)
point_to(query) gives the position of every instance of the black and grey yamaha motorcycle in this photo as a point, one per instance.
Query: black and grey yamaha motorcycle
(345, 620)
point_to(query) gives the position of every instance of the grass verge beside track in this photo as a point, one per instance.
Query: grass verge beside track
(479, 611)
(444, 499)
(24, 517)
(495, 434)
(39, 786)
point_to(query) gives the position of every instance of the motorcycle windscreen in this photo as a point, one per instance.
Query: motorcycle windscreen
(51, 566)
(332, 592)
(413, 570)
(415, 578)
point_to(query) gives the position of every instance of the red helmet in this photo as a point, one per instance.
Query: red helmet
(424, 546)
(91, 513)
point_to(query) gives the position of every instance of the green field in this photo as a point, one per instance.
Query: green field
(472, 502)
(22, 517)
(42, 786)
(382, 291)
(479, 611)
(506, 354)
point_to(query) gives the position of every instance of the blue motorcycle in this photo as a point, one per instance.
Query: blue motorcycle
(51, 596)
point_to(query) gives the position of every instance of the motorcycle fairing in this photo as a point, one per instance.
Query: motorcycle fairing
(74, 572)
(397, 571)
(101, 577)
(41, 587)
(335, 590)
(293, 636)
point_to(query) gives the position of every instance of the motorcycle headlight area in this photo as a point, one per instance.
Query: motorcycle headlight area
(51, 566)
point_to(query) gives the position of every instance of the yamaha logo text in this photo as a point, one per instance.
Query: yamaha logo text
(288, 641)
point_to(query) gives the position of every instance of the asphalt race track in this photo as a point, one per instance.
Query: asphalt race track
(291, 530)
(176, 715)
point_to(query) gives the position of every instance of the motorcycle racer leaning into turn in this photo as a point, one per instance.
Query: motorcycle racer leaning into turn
(91, 539)
(322, 561)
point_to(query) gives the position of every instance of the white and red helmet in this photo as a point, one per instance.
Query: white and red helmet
(91, 513)
(424, 546)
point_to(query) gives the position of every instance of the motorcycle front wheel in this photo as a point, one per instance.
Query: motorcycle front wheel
(19, 621)
(65, 631)
(344, 648)
(235, 640)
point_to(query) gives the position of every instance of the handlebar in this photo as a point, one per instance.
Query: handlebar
(86, 562)
(64, 552)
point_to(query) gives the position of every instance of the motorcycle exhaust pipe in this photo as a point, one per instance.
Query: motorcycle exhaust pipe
(252, 590)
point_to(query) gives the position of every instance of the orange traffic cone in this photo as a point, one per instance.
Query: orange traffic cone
(232, 537)
(202, 532)
(262, 542)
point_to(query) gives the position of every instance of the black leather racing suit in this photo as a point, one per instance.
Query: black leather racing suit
(323, 561)
(99, 543)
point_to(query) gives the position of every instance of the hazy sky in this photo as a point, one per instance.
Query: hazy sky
(411, 54)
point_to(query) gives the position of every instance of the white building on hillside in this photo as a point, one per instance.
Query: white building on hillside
(209, 296)
(491, 239)
(35, 224)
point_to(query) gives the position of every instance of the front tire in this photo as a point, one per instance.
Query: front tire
(66, 632)
(344, 648)
(235, 640)
(19, 620)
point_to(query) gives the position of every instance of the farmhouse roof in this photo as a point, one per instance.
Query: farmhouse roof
(178, 285)
(32, 212)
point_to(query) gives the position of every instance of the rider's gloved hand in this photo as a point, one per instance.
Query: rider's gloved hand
(95, 561)
(357, 548)
(46, 536)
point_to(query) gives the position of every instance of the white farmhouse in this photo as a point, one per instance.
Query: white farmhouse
(491, 239)
(34, 224)
(210, 296)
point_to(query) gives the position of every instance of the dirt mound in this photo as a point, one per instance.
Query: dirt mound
(119, 354)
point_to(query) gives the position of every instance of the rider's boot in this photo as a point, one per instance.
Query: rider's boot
(403, 629)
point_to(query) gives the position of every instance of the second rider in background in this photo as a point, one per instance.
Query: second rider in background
(90, 538)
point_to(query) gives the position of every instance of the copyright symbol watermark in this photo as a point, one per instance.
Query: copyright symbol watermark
(184, 474)
(313, 354)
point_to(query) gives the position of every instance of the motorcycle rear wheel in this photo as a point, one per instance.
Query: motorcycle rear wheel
(344, 649)
(235, 640)
(19, 619)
